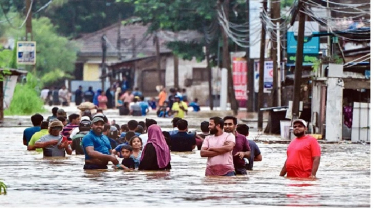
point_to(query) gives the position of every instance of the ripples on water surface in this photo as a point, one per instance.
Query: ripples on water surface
(344, 180)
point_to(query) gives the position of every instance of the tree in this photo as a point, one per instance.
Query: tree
(53, 52)
(73, 17)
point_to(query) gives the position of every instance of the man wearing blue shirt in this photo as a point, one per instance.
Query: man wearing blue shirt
(144, 106)
(96, 146)
(36, 120)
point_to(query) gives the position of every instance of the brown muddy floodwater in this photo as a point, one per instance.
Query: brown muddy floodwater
(344, 181)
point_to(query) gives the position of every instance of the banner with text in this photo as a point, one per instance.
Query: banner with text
(239, 77)
(268, 76)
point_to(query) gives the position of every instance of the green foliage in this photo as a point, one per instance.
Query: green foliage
(187, 50)
(13, 61)
(54, 76)
(5, 58)
(52, 51)
(26, 100)
(3, 187)
(286, 3)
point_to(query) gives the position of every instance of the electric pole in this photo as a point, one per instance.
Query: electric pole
(226, 63)
(103, 47)
(158, 59)
(28, 13)
(275, 15)
(299, 62)
(250, 72)
(261, 76)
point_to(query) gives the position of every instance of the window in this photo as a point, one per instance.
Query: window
(200, 74)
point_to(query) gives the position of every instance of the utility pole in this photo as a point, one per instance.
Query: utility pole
(29, 35)
(209, 69)
(261, 78)
(158, 59)
(226, 63)
(103, 47)
(250, 72)
(119, 38)
(176, 73)
(28, 13)
(275, 14)
(176, 67)
(298, 63)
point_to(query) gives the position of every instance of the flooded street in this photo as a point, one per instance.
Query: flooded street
(344, 180)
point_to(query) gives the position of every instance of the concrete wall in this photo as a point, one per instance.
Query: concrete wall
(91, 72)
(197, 89)
(334, 109)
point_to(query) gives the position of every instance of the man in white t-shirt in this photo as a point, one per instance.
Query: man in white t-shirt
(218, 148)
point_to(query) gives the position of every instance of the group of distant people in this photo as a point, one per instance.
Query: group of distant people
(55, 96)
(142, 145)
(175, 104)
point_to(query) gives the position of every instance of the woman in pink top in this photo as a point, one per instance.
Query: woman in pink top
(102, 101)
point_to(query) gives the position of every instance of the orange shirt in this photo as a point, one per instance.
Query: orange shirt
(162, 98)
(299, 156)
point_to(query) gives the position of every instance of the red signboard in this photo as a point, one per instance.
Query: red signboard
(239, 76)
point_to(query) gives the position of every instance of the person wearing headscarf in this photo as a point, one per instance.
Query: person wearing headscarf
(110, 95)
(156, 153)
(95, 99)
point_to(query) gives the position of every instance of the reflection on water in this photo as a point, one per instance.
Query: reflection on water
(343, 180)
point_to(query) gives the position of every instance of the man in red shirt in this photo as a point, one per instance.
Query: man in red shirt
(303, 154)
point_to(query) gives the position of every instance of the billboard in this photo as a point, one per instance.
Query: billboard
(26, 52)
(239, 77)
(268, 75)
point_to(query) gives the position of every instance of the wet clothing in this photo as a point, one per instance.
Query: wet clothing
(176, 107)
(144, 106)
(50, 118)
(52, 150)
(199, 142)
(102, 100)
(99, 142)
(195, 106)
(241, 145)
(136, 109)
(94, 166)
(78, 96)
(137, 159)
(110, 96)
(144, 138)
(67, 129)
(152, 104)
(89, 95)
(118, 148)
(156, 154)
(161, 98)
(221, 164)
(77, 142)
(149, 161)
(299, 156)
(182, 142)
(29, 132)
(55, 97)
(254, 152)
(128, 162)
(36, 137)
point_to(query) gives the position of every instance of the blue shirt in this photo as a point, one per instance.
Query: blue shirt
(123, 134)
(144, 106)
(254, 152)
(99, 142)
(119, 148)
(28, 132)
(195, 106)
